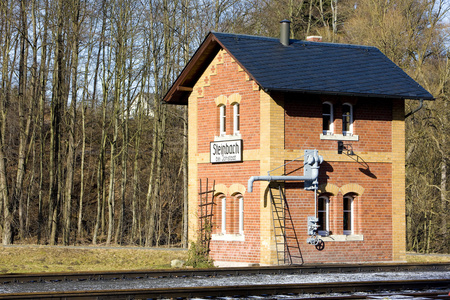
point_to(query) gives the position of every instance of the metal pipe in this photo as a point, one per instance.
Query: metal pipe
(311, 171)
(285, 32)
(416, 110)
(274, 178)
(313, 177)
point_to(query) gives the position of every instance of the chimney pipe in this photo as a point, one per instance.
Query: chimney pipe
(314, 38)
(285, 32)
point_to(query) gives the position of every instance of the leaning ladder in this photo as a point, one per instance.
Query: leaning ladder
(288, 248)
(206, 204)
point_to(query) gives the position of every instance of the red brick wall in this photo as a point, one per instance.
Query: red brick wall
(228, 80)
(372, 213)
(372, 122)
(303, 126)
(229, 174)
(373, 209)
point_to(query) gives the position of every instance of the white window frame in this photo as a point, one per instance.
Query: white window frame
(236, 118)
(223, 120)
(350, 132)
(351, 210)
(324, 231)
(224, 215)
(241, 214)
(330, 130)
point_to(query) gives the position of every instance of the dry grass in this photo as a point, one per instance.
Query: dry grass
(413, 257)
(36, 259)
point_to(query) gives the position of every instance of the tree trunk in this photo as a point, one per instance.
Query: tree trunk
(24, 119)
(55, 135)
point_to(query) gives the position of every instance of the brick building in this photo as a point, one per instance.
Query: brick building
(255, 105)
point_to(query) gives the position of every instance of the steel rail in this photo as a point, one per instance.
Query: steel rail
(242, 291)
(173, 273)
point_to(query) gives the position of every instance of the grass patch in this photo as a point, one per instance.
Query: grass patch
(413, 257)
(36, 259)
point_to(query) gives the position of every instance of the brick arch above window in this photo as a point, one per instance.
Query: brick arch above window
(237, 188)
(234, 98)
(328, 188)
(220, 189)
(352, 188)
(221, 100)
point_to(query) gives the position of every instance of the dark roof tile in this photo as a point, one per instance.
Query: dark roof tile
(311, 67)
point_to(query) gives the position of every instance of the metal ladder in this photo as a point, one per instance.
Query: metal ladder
(288, 248)
(206, 204)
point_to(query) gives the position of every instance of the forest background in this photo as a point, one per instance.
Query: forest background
(88, 154)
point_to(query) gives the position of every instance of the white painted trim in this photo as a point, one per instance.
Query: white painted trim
(327, 215)
(352, 199)
(228, 237)
(351, 120)
(222, 120)
(236, 118)
(236, 136)
(339, 137)
(224, 215)
(331, 115)
(343, 238)
(241, 215)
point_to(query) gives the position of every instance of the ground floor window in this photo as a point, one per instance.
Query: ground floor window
(348, 214)
(223, 227)
(241, 213)
(228, 215)
(323, 214)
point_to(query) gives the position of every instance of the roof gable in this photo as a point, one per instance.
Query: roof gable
(306, 67)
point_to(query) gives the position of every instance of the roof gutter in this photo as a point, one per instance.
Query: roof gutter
(416, 110)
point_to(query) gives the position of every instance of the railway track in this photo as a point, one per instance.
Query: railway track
(291, 291)
(213, 272)
(116, 285)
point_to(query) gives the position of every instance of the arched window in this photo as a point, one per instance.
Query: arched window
(236, 119)
(223, 226)
(241, 213)
(223, 119)
(327, 118)
(348, 214)
(323, 204)
(347, 119)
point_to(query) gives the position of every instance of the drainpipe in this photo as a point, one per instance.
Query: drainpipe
(311, 171)
(416, 110)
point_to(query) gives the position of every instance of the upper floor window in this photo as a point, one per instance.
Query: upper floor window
(323, 204)
(348, 214)
(223, 120)
(236, 119)
(347, 119)
(327, 118)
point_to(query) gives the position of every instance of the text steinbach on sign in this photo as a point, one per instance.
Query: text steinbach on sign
(226, 151)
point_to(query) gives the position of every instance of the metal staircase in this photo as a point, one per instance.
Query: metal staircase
(288, 248)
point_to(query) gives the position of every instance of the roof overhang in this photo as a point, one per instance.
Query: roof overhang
(183, 86)
(346, 94)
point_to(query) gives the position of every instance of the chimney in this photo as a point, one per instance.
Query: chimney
(285, 32)
(314, 38)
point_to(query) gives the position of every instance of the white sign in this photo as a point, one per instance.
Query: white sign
(226, 151)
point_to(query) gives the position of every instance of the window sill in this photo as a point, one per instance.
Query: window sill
(228, 237)
(343, 238)
(228, 137)
(339, 137)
